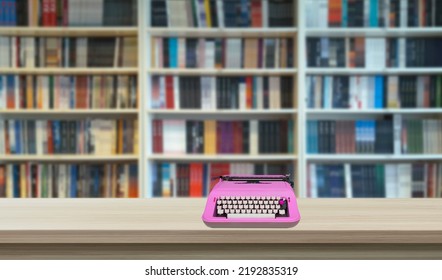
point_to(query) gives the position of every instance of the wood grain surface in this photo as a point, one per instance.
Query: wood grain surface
(166, 221)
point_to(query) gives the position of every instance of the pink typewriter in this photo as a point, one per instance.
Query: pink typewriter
(252, 201)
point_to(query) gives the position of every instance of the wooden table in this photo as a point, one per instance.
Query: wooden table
(172, 228)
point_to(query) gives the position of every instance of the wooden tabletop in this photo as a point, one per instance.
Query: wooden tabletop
(149, 221)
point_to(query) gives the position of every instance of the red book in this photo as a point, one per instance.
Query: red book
(334, 13)
(53, 12)
(65, 18)
(196, 179)
(158, 136)
(7, 147)
(81, 92)
(10, 98)
(2, 181)
(169, 93)
(45, 13)
(237, 137)
(155, 136)
(50, 138)
(256, 12)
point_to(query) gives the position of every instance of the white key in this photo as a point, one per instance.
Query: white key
(272, 206)
(260, 202)
(254, 211)
(235, 202)
(237, 211)
(240, 206)
(267, 206)
(230, 206)
(248, 211)
(246, 206)
(225, 206)
(224, 201)
(229, 202)
(236, 216)
(261, 207)
(259, 211)
(219, 207)
(239, 201)
(275, 211)
(282, 212)
(250, 201)
(235, 206)
(220, 212)
(227, 211)
(276, 202)
(243, 211)
(266, 202)
(218, 202)
(264, 211)
(255, 202)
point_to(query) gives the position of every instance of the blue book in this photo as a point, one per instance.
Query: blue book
(14, 12)
(173, 52)
(344, 13)
(315, 137)
(320, 181)
(245, 13)
(56, 136)
(374, 13)
(16, 179)
(73, 183)
(96, 181)
(154, 180)
(133, 173)
(18, 133)
(165, 179)
(379, 92)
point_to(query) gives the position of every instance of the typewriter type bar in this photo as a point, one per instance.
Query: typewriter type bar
(257, 179)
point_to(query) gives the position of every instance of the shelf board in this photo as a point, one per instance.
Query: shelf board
(370, 158)
(221, 32)
(36, 112)
(226, 72)
(373, 32)
(223, 157)
(234, 114)
(331, 112)
(68, 158)
(69, 71)
(69, 31)
(363, 71)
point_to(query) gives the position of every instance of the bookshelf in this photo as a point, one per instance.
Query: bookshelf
(299, 113)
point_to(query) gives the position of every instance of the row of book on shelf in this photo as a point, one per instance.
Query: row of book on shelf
(68, 51)
(196, 179)
(374, 92)
(400, 180)
(395, 135)
(68, 92)
(212, 53)
(90, 136)
(373, 53)
(68, 13)
(373, 13)
(209, 92)
(41, 180)
(222, 137)
(222, 13)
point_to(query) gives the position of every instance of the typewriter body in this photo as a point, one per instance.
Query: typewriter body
(252, 201)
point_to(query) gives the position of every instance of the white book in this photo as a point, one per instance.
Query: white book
(313, 181)
(393, 94)
(318, 82)
(397, 128)
(162, 101)
(205, 93)
(2, 137)
(403, 12)
(259, 92)
(370, 92)
(182, 52)
(233, 168)
(9, 181)
(30, 50)
(62, 181)
(402, 52)
(275, 94)
(201, 53)
(209, 60)
(366, 14)
(386, 13)
(213, 98)
(158, 62)
(420, 91)
(404, 180)
(348, 184)
(176, 92)
(233, 51)
(391, 181)
(310, 13)
(242, 95)
(13, 52)
(265, 14)
(322, 13)
(363, 92)
(254, 137)
(12, 140)
(174, 129)
(220, 13)
(277, 51)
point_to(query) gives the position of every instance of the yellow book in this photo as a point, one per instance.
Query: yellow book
(39, 92)
(120, 137)
(207, 9)
(23, 185)
(210, 137)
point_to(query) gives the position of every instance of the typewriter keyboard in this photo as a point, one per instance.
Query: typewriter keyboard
(233, 207)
